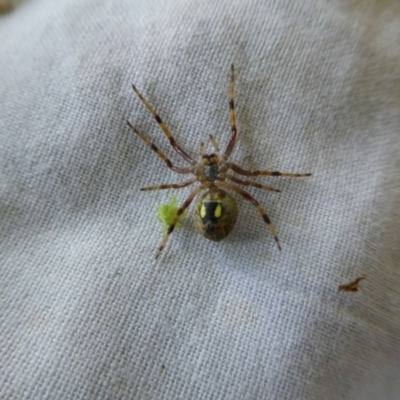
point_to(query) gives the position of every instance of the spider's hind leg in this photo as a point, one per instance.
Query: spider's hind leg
(185, 205)
(255, 203)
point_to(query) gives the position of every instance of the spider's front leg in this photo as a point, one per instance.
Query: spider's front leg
(171, 185)
(160, 154)
(235, 179)
(232, 111)
(241, 171)
(168, 134)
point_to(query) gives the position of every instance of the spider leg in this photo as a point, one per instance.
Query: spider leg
(232, 140)
(255, 203)
(201, 150)
(185, 205)
(245, 172)
(171, 186)
(215, 144)
(233, 178)
(172, 141)
(167, 161)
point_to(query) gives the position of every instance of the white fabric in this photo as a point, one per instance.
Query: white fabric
(87, 312)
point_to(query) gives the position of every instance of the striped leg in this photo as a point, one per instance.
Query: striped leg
(245, 172)
(171, 186)
(185, 205)
(178, 149)
(232, 140)
(233, 178)
(255, 203)
(179, 170)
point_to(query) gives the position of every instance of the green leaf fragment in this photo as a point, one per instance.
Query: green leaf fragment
(167, 212)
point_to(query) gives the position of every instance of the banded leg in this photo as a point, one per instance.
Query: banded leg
(171, 185)
(232, 140)
(233, 178)
(185, 205)
(167, 161)
(245, 172)
(172, 141)
(255, 203)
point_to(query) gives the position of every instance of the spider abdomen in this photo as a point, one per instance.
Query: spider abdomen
(215, 214)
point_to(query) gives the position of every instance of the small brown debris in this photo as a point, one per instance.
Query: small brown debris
(353, 285)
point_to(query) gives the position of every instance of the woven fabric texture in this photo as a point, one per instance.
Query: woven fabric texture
(86, 310)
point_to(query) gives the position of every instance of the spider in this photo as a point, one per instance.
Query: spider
(216, 211)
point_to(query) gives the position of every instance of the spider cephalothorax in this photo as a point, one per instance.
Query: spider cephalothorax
(216, 211)
(210, 166)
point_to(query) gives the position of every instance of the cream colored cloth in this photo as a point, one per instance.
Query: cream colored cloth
(87, 312)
